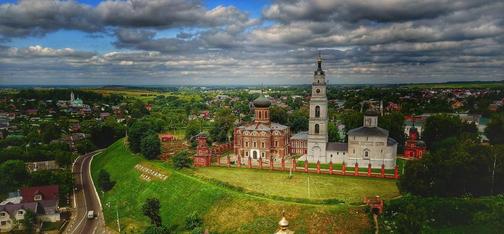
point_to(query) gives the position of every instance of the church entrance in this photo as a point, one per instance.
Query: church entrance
(255, 154)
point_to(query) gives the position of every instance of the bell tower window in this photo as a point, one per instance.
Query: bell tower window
(317, 129)
(317, 111)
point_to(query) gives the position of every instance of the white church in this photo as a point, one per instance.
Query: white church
(368, 144)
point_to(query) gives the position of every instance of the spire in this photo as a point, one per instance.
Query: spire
(319, 61)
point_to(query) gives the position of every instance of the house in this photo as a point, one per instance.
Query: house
(47, 198)
(167, 137)
(11, 215)
(42, 166)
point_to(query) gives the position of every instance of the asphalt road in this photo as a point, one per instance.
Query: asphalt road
(85, 199)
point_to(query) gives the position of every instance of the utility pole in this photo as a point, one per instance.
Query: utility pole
(117, 215)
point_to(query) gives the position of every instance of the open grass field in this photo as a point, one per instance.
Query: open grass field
(223, 210)
(303, 185)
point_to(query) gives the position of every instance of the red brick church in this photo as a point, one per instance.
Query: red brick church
(414, 148)
(261, 138)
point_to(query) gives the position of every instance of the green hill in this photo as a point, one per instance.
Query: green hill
(224, 209)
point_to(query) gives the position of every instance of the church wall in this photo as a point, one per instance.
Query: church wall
(378, 152)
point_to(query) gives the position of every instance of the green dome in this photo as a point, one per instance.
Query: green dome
(262, 101)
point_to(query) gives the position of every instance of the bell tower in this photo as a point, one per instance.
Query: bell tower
(317, 129)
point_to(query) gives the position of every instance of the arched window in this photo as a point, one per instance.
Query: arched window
(317, 129)
(254, 154)
(317, 112)
(260, 114)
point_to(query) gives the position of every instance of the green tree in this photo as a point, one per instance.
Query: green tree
(298, 120)
(136, 132)
(351, 119)
(150, 146)
(49, 131)
(193, 221)
(181, 160)
(443, 126)
(13, 175)
(278, 115)
(333, 132)
(151, 209)
(63, 158)
(495, 129)
(158, 230)
(223, 125)
(104, 181)
(193, 128)
(29, 221)
(394, 123)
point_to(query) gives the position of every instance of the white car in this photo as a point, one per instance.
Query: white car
(90, 214)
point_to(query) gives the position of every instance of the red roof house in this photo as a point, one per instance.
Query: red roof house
(39, 193)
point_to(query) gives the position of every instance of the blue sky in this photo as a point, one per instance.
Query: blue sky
(178, 42)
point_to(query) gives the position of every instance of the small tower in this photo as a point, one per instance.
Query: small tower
(203, 154)
(72, 96)
(284, 226)
(261, 108)
(371, 119)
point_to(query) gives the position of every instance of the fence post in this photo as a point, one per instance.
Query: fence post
(260, 163)
(356, 170)
(283, 164)
(318, 166)
(249, 162)
(343, 168)
(396, 172)
(271, 162)
(306, 166)
(330, 168)
(382, 170)
(369, 170)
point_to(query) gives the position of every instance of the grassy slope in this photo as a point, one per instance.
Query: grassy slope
(348, 189)
(223, 210)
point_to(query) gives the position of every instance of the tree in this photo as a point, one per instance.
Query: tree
(63, 158)
(158, 230)
(394, 123)
(151, 146)
(351, 119)
(104, 181)
(29, 221)
(135, 134)
(443, 126)
(224, 123)
(181, 160)
(13, 174)
(151, 209)
(495, 129)
(85, 146)
(333, 132)
(278, 115)
(49, 131)
(193, 128)
(298, 120)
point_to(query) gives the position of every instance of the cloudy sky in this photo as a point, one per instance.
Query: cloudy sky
(219, 42)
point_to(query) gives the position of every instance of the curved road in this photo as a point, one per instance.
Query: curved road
(85, 199)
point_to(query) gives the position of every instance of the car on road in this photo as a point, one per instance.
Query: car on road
(91, 214)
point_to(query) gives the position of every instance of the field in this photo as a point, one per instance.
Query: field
(458, 85)
(227, 210)
(302, 185)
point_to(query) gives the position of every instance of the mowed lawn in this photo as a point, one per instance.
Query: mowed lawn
(301, 185)
(223, 210)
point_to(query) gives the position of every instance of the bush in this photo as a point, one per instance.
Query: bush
(193, 221)
(150, 146)
(104, 181)
(181, 160)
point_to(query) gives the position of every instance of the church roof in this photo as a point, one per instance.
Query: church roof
(300, 136)
(262, 101)
(263, 127)
(337, 146)
(366, 131)
(391, 141)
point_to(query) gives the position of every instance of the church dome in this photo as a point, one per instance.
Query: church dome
(262, 101)
(371, 113)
